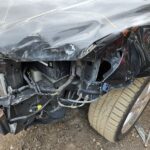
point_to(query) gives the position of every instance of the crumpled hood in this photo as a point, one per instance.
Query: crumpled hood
(60, 30)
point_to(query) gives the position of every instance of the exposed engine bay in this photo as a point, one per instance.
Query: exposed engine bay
(37, 92)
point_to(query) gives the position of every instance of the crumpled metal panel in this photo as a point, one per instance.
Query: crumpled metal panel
(61, 30)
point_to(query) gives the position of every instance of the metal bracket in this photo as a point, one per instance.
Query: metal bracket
(145, 137)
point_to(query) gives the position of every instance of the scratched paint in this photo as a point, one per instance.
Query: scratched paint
(33, 30)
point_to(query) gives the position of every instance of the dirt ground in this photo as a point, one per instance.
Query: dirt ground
(72, 133)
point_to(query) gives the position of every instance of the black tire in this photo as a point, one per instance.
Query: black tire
(108, 114)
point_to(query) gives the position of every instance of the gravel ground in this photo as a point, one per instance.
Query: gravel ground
(72, 133)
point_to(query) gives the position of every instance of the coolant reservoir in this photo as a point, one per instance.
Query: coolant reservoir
(36, 75)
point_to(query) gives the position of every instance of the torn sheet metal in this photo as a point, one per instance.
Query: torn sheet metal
(61, 30)
(145, 137)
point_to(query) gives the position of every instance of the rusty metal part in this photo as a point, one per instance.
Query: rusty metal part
(4, 127)
(1, 113)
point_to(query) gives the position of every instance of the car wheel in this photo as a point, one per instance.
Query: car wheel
(114, 114)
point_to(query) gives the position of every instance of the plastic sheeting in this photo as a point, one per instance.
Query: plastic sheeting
(60, 30)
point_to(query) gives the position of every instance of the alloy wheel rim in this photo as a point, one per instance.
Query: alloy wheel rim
(137, 109)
